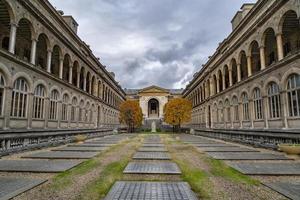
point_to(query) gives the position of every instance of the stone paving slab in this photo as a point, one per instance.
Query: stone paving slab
(289, 190)
(203, 142)
(38, 166)
(153, 145)
(151, 156)
(90, 145)
(214, 145)
(152, 149)
(152, 168)
(62, 155)
(227, 149)
(246, 156)
(267, 168)
(101, 142)
(127, 190)
(81, 149)
(12, 187)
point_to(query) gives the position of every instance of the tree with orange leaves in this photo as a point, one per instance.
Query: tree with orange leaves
(177, 111)
(131, 114)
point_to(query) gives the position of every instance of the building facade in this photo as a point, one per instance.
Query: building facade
(152, 100)
(252, 81)
(49, 77)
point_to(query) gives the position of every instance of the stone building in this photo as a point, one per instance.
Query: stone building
(152, 101)
(49, 78)
(252, 81)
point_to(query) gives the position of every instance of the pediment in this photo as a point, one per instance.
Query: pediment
(153, 89)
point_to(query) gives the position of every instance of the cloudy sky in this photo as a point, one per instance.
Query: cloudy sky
(146, 42)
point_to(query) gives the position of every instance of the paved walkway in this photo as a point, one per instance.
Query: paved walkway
(145, 190)
(55, 160)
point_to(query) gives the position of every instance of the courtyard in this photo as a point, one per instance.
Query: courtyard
(150, 166)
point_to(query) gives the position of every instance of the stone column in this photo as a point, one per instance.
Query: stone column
(230, 77)
(249, 65)
(265, 110)
(223, 79)
(84, 82)
(251, 112)
(218, 85)
(78, 79)
(7, 107)
(70, 74)
(284, 107)
(61, 67)
(47, 111)
(279, 46)
(239, 72)
(90, 86)
(262, 57)
(49, 58)
(33, 51)
(29, 110)
(12, 38)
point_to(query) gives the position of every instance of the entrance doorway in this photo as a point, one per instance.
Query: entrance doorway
(153, 108)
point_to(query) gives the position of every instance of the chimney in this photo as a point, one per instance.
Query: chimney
(239, 16)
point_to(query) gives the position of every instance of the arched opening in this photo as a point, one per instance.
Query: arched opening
(244, 68)
(220, 80)
(215, 84)
(234, 71)
(291, 32)
(226, 73)
(41, 51)
(75, 71)
(99, 89)
(270, 46)
(23, 40)
(55, 60)
(153, 108)
(81, 79)
(4, 25)
(88, 83)
(66, 67)
(255, 57)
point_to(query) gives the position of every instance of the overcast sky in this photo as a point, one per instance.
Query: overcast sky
(152, 42)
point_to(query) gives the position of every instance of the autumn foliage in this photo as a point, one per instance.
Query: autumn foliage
(131, 114)
(177, 111)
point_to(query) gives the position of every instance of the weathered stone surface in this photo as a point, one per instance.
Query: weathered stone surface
(101, 142)
(83, 149)
(267, 168)
(226, 149)
(215, 145)
(11, 187)
(152, 149)
(90, 145)
(37, 165)
(289, 190)
(153, 145)
(152, 168)
(151, 191)
(202, 142)
(62, 155)
(246, 156)
(151, 156)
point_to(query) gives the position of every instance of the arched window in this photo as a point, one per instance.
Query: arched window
(81, 79)
(257, 99)
(255, 57)
(2, 97)
(270, 46)
(227, 108)
(234, 72)
(220, 76)
(235, 104)
(245, 103)
(226, 72)
(73, 109)
(39, 102)
(66, 68)
(75, 71)
(244, 66)
(293, 93)
(5, 21)
(87, 114)
(19, 98)
(53, 105)
(41, 51)
(55, 60)
(291, 32)
(91, 113)
(23, 40)
(274, 100)
(64, 109)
